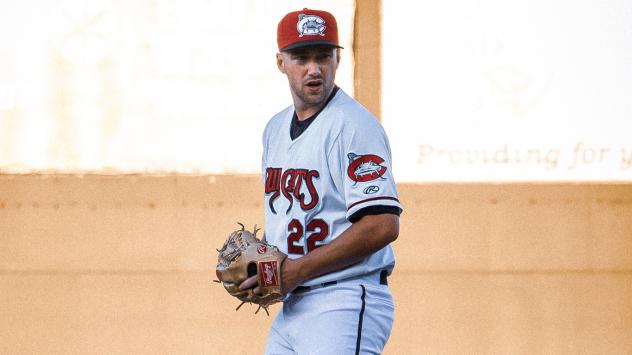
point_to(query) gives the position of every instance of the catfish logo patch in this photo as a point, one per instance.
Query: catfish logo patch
(310, 25)
(363, 168)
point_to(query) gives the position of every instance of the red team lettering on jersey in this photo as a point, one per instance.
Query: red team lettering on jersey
(289, 183)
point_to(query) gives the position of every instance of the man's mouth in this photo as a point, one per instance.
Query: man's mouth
(314, 84)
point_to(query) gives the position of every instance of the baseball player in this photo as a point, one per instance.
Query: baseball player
(331, 203)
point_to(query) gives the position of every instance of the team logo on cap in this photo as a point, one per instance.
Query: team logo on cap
(363, 168)
(310, 25)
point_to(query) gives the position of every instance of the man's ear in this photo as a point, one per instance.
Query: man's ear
(280, 62)
(337, 57)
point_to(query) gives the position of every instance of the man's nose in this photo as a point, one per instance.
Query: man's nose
(313, 68)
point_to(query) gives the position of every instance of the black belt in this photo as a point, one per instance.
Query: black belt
(303, 289)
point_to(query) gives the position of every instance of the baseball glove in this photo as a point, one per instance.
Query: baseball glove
(243, 256)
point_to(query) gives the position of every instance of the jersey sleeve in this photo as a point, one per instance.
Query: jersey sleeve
(361, 164)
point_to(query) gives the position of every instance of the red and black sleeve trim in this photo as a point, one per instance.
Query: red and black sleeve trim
(372, 199)
(373, 210)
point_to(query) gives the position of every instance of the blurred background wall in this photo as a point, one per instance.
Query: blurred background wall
(123, 264)
(129, 147)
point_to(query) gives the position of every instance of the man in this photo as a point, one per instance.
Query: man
(330, 203)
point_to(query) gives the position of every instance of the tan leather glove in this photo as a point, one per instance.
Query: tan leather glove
(242, 256)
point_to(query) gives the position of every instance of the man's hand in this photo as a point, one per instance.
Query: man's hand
(290, 277)
(290, 274)
(251, 282)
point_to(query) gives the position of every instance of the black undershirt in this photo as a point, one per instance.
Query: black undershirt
(298, 127)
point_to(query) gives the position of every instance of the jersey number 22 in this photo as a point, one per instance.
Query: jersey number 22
(317, 229)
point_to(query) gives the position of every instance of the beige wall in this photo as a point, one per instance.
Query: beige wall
(123, 264)
(367, 55)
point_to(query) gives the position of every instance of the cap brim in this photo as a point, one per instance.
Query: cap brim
(310, 43)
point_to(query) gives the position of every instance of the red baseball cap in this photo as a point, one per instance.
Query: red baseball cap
(307, 28)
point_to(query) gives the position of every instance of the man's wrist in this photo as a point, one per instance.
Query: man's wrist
(299, 269)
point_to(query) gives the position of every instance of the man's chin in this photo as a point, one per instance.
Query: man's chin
(313, 98)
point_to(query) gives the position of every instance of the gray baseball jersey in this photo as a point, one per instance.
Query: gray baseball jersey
(329, 176)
